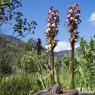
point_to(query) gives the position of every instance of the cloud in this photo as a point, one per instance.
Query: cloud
(62, 46)
(92, 18)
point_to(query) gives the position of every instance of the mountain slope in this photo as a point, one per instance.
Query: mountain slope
(6, 39)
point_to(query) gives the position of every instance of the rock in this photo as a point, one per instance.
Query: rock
(42, 92)
(56, 89)
(71, 92)
(53, 90)
(93, 93)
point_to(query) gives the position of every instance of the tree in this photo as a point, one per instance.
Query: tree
(23, 27)
(7, 10)
(73, 19)
(51, 32)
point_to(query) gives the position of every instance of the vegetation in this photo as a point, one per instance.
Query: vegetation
(20, 70)
(28, 66)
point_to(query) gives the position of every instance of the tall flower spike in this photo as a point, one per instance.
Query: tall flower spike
(51, 30)
(73, 19)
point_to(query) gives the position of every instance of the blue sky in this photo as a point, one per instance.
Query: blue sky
(38, 10)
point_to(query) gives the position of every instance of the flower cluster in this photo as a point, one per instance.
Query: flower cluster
(52, 30)
(73, 19)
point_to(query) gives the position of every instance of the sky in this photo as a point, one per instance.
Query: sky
(37, 10)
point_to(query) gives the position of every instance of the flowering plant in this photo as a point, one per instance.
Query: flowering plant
(52, 30)
(73, 19)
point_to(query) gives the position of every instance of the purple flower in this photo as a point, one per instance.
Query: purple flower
(72, 21)
(51, 30)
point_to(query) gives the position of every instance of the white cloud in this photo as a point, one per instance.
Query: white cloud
(92, 18)
(62, 46)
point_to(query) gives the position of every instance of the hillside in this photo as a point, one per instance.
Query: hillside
(10, 40)
(5, 39)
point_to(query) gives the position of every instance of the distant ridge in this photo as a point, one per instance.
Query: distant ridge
(7, 39)
(10, 39)
(62, 53)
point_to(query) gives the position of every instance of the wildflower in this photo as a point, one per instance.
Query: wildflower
(51, 30)
(73, 19)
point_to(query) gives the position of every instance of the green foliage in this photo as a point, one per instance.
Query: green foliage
(7, 9)
(19, 84)
(84, 67)
(31, 44)
(9, 55)
(28, 62)
(64, 76)
(30, 65)
(22, 70)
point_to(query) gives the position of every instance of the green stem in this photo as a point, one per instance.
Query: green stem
(72, 83)
(56, 76)
(52, 67)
